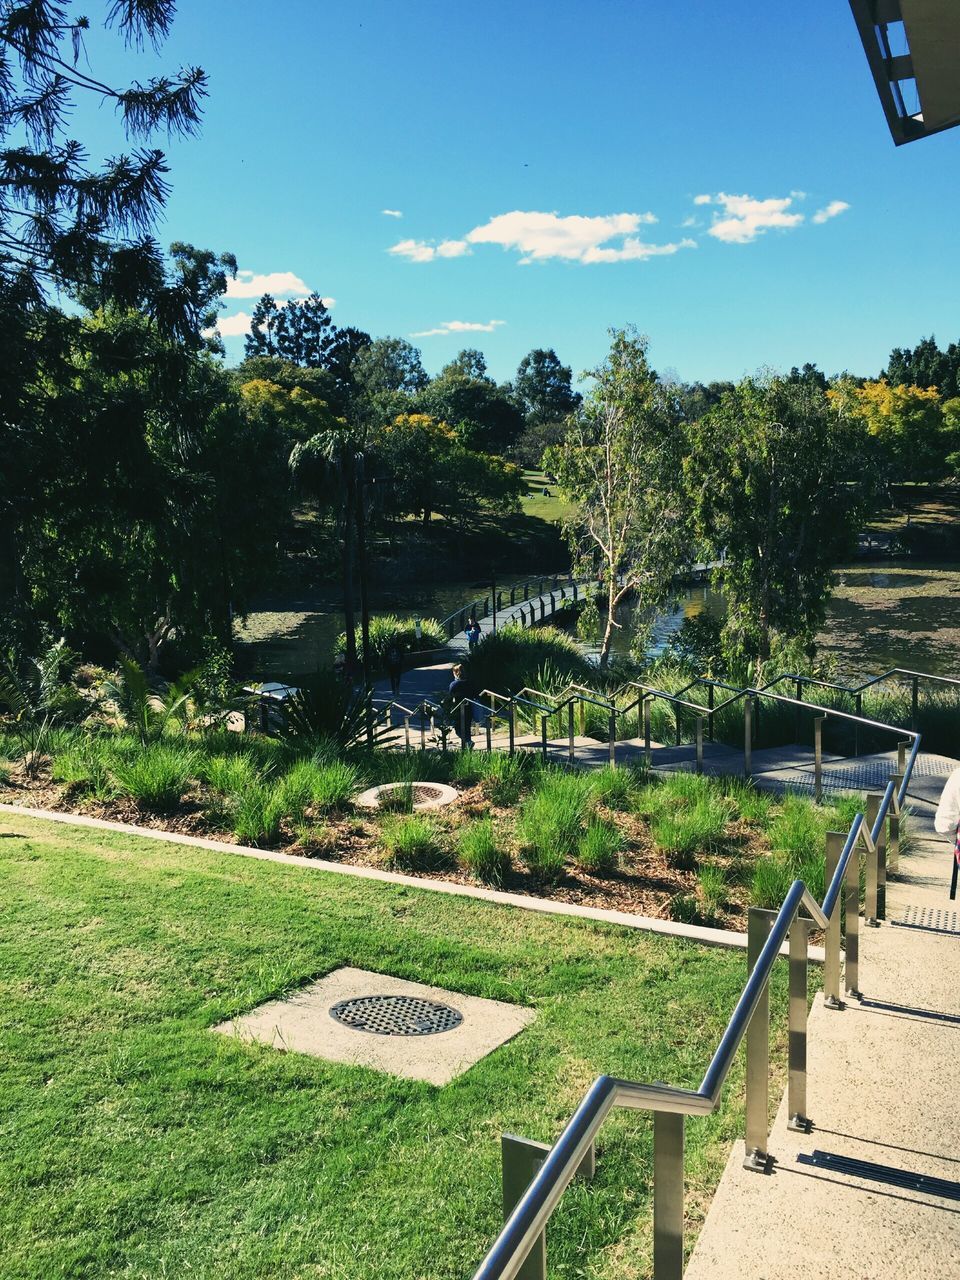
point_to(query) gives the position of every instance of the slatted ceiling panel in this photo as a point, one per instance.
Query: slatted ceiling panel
(933, 33)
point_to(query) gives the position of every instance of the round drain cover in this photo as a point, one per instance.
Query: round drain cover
(396, 1015)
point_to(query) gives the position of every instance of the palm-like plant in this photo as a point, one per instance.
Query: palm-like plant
(146, 711)
(36, 695)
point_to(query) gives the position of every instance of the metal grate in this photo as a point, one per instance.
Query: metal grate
(930, 918)
(396, 1015)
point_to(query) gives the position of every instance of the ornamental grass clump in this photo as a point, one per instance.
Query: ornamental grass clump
(688, 832)
(483, 854)
(600, 847)
(83, 767)
(157, 777)
(410, 843)
(257, 812)
(712, 884)
(772, 878)
(552, 821)
(797, 831)
(615, 788)
(229, 774)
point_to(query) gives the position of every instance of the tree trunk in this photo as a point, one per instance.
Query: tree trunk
(362, 573)
(349, 619)
(608, 629)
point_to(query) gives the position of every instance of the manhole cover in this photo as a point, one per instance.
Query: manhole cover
(396, 1015)
(931, 918)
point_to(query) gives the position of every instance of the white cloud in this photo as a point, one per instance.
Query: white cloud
(690, 222)
(831, 211)
(742, 219)
(459, 326)
(427, 250)
(234, 326)
(392, 213)
(575, 238)
(250, 285)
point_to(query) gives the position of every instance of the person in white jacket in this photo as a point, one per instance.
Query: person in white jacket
(947, 821)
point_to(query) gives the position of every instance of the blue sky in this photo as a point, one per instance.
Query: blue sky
(719, 175)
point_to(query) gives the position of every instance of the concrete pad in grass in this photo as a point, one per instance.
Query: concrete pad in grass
(427, 1034)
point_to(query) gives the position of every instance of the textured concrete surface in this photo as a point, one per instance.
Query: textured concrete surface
(302, 1024)
(873, 1191)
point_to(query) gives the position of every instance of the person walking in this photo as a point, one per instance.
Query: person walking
(946, 822)
(473, 633)
(461, 708)
(393, 661)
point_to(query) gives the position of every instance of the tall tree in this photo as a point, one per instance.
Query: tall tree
(925, 365)
(543, 388)
(261, 340)
(304, 332)
(483, 415)
(621, 462)
(61, 220)
(774, 479)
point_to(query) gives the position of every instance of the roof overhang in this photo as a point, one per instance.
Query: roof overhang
(929, 32)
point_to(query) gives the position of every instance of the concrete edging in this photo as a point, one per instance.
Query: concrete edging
(650, 924)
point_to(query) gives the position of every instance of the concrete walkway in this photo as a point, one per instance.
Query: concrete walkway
(874, 1190)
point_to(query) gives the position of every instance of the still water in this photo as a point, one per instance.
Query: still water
(883, 614)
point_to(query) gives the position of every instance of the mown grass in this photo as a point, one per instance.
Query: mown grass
(138, 1143)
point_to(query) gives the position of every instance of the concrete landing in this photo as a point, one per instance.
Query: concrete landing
(874, 1190)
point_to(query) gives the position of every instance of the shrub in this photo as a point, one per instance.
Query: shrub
(324, 707)
(387, 629)
(772, 878)
(551, 822)
(513, 657)
(410, 843)
(503, 776)
(257, 812)
(600, 848)
(156, 777)
(482, 854)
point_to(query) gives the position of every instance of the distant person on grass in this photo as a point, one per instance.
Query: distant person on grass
(947, 822)
(461, 689)
(473, 633)
(393, 661)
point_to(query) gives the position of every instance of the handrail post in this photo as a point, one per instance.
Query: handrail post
(882, 870)
(902, 757)
(489, 728)
(831, 943)
(747, 736)
(543, 736)
(856, 728)
(511, 730)
(893, 814)
(870, 904)
(915, 703)
(710, 706)
(573, 753)
(758, 1050)
(648, 754)
(699, 744)
(798, 714)
(851, 966)
(797, 1040)
(521, 1160)
(818, 758)
(583, 718)
(613, 739)
(369, 718)
(667, 1196)
(406, 733)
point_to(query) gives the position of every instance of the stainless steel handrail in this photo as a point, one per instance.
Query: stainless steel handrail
(528, 1220)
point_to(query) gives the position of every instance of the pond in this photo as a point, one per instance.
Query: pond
(883, 614)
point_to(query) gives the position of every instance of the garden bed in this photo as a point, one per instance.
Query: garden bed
(140, 1144)
(690, 849)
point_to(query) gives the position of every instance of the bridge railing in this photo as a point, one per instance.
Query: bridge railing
(534, 1180)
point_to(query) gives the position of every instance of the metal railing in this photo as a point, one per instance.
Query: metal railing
(535, 1177)
(528, 592)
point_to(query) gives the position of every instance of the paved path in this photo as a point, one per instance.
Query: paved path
(874, 1190)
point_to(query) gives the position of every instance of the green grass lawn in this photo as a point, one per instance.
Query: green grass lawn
(533, 503)
(136, 1143)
